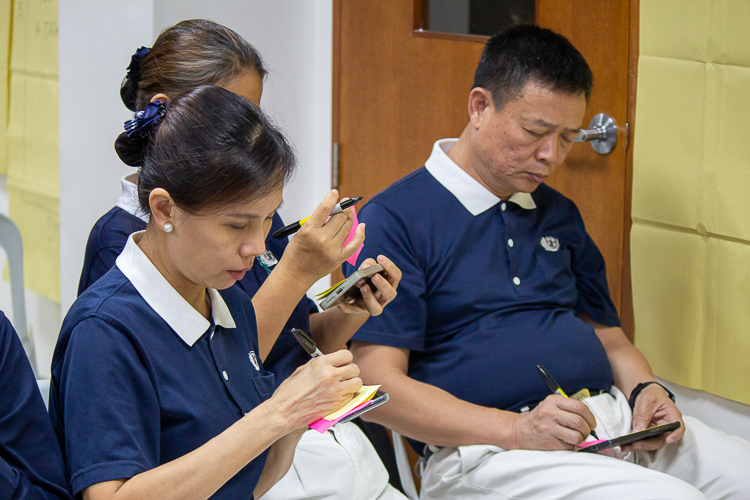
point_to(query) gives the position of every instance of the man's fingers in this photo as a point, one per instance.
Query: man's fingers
(643, 413)
(579, 409)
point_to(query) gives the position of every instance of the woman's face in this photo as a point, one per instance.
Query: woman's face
(248, 85)
(217, 248)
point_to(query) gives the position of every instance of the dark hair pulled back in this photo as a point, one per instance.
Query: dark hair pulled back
(187, 55)
(520, 54)
(212, 148)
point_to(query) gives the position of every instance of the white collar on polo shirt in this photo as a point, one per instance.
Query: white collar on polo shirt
(128, 199)
(472, 195)
(188, 323)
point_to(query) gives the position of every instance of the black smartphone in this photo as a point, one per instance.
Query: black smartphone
(630, 438)
(349, 288)
(378, 399)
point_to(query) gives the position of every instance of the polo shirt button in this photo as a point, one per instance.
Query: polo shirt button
(516, 281)
(226, 377)
(510, 242)
(502, 207)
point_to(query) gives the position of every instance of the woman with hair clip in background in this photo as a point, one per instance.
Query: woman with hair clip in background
(157, 391)
(198, 52)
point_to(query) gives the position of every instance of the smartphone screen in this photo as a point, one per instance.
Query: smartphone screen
(628, 438)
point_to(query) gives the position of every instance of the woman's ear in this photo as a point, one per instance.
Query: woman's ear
(160, 97)
(162, 207)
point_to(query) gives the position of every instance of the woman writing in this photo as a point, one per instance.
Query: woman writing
(157, 389)
(200, 52)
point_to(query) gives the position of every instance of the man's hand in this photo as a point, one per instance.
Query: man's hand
(557, 423)
(653, 407)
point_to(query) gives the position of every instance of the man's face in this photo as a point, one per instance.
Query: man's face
(516, 148)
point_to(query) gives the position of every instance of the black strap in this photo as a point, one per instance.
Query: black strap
(638, 388)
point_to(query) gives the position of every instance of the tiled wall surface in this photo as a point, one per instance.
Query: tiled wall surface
(690, 240)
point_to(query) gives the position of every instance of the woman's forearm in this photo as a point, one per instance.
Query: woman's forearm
(280, 456)
(200, 473)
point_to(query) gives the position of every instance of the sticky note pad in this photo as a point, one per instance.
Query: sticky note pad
(353, 259)
(322, 425)
(586, 444)
(364, 394)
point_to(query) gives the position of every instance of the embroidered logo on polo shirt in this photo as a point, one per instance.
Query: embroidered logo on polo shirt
(267, 261)
(254, 360)
(550, 243)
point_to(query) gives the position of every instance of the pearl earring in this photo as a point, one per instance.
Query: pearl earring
(168, 227)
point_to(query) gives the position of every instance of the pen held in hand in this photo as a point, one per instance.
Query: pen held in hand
(295, 226)
(307, 343)
(555, 387)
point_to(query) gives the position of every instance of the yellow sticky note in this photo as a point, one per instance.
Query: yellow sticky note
(325, 293)
(364, 394)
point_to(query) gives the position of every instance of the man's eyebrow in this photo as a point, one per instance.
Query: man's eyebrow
(543, 123)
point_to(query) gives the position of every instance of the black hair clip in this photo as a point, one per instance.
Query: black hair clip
(145, 120)
(134, 68)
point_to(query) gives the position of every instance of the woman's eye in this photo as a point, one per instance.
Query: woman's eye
(238, 227)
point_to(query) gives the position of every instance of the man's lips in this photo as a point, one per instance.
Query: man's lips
(537, 177)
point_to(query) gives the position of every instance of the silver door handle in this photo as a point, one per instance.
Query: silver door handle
(602, 133)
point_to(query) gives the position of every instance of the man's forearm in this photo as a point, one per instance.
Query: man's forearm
(629, 366)
(427, 413)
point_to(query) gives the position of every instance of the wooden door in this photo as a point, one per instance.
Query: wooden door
(396, 90)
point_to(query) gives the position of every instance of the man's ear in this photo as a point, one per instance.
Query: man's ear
(479, 101)
(162, 207)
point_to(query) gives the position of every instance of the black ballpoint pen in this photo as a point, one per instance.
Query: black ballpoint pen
(295, 226)
(306, 342)
(555, 387)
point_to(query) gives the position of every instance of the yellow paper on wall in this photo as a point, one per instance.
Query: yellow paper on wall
(690, 243)
(5, 24)
(33, 159)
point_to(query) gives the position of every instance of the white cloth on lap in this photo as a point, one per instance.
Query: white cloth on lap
(337, 465)
(705, 463)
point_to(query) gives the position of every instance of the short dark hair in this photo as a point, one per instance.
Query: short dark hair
(521, 54)
(187, 55)
(212, 148)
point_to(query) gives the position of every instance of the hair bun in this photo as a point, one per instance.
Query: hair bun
(130, 84)
(132, 150)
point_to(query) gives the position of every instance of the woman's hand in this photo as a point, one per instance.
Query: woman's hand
(372, 302)
(318, 247)
(321, 386)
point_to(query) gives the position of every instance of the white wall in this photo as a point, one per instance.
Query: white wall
(295, 39)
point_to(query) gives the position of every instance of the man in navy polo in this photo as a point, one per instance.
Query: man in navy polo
(500, 275)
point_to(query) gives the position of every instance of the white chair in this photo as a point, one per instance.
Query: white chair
(10, 240)
(404, 468)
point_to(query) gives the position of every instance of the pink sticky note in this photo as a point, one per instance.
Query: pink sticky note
(353, 259)
(322, 425)
(586, 444)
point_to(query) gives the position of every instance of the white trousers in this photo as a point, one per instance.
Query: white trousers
(705, 463)
(336, 465)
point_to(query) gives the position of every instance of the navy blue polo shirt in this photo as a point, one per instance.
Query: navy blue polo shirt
(140, 378)
(490, 288)
(31, 465)
(108, 238)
